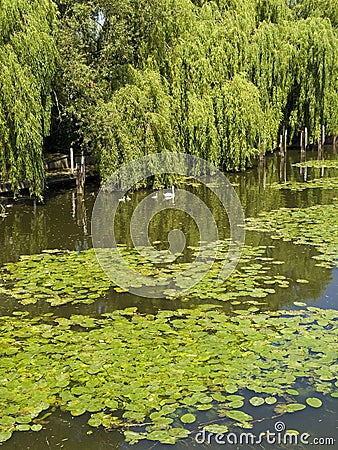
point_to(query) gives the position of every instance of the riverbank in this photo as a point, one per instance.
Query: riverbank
(59, 174)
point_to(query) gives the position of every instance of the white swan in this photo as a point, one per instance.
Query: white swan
(125, 198)
(169, 195)
(155, 197)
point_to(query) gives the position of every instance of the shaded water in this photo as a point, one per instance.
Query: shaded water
(63, 222)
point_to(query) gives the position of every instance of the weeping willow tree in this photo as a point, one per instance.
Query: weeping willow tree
(314, 80)
(27, 59)
(217, 79)
(134, 123)
(271, 56)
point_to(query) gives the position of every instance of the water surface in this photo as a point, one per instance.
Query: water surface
(63, 222)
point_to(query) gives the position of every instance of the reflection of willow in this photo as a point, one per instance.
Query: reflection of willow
(298, 264)
(170, 219)
(24, 234)
(282, 169)
(253, 196)
(159, 227)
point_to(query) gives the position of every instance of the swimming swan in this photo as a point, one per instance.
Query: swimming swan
(169, 195)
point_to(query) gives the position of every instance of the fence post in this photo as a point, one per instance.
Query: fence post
(72, 159)
(80, 173)
(305, 138)
(281, 144)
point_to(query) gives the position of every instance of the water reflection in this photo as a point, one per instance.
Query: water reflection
(63, 222)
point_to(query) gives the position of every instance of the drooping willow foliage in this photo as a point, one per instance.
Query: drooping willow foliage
(134, 123)
(27, 61)
(217, 79)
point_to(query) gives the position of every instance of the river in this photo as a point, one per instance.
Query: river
(64, 222)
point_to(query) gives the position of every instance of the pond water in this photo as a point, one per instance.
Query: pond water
(63, 222)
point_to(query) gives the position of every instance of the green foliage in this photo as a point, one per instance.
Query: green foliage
(135, 122)
(27, 59)
(150, 374)
(214, 79)
(217, 79)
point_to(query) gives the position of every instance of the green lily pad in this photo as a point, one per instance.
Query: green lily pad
(293, 407)
(239, 416)
(292, 391)
(270, 400)
(5, 436)
(299, 303)
(188, 418)
(256, 401)
(314, 402)
(216, 429)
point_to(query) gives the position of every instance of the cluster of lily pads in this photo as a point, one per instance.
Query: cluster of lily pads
(315, 225)
(55, 276)
(315, 183)
(61, 277)
(318, 163)
(151, 374)
(252, 277)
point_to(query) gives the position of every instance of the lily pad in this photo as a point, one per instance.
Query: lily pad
(256, 401)
(188, 418)
(239, 416)
(5, 436)
(314, 402)
(293, 407)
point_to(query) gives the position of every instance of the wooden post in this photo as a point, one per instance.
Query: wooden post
(281, 145)
(73, 205)
(83, 168)
(72, 159)
(81, 175)
(285, 140)
(79, 180)
(259, 149)
(305, 138)
(319, 145)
